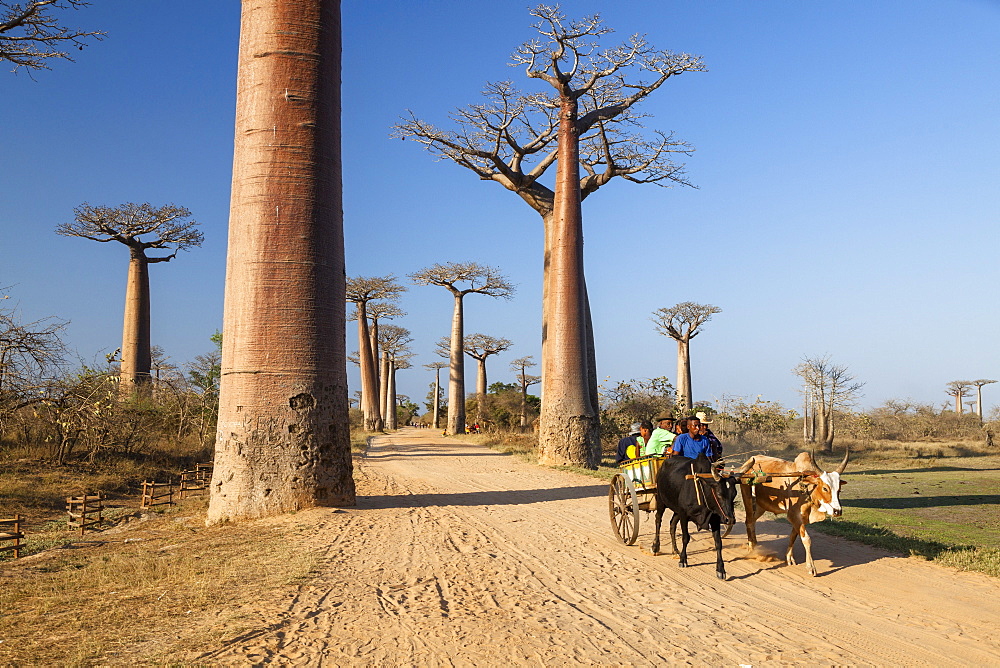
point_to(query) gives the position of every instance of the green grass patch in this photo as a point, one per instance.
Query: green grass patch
(943, 510)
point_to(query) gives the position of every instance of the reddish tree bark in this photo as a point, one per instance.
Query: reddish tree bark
(283, 438)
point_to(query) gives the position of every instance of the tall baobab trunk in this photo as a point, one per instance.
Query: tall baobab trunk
(456, 373)
(480, 391)
(437, 398)
(283, 438)
(370, 400)
(568, 425)
(390, 392)
(136, 357)
(379, 366)
(684, 374)
(383, 387)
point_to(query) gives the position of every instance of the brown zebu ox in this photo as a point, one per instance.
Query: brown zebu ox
(806, 498)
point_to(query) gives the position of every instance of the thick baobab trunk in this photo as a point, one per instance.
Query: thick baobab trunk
(524, 405)
(437, 398)
(136, 358)
(390, 393)
(456, 371)
(383, 387)
(283, 438)
(568, 425)
(370, 394)
(481, 391)
(379, 359)
(684, 374)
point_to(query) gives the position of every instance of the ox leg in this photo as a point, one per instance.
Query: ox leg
(752, 513)
(685, 539)
(807, 543)
(656, 538)
(720, 566)
(796, 521)
(673, 532)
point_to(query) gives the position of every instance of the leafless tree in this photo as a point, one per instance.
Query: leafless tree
(479, 347)
(959, 389)
(31, 356)
(587, 122)
(682, 322)
(284, 437)
(462, 278)
(31, 33)
(833, 388)
(979, 394)
(362, 290)
(520, 367)
(140, 227)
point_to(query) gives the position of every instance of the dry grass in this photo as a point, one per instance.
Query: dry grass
(96, 600)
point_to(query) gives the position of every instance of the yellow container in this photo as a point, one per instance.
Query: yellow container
(642, 471)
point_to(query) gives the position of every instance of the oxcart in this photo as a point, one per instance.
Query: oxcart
(633, 489)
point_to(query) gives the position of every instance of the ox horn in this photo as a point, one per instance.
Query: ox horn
(843, 464)
(715, 473)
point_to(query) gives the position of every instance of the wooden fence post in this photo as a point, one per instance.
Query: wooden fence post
(15, 535)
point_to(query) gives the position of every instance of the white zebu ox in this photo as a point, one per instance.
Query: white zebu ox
(803, 499)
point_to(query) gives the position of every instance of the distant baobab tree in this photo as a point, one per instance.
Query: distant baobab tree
(437, 366)
(361, 290)
(283, 440)
(462, 278)
(586, 121)
(979, 395)
(31, 34)
(479, 347)
(394, 342)
(682, 323)
(140, 227)
(959, 389)
(520, 367)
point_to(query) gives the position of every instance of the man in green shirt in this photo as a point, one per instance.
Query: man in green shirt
(662, 437)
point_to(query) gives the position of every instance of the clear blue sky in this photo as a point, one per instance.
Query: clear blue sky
(848, 161)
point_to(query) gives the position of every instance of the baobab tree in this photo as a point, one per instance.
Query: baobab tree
(361, 290)
(141, 228)
(979, 394)
(437, 366)
(378, 311)
(394, 342)
(479, 347)
(587, 122)
(284, 437)
(520, 366)
(832, 387)
(959, 389)
(460, 279)
(682, 322)
(31, 33)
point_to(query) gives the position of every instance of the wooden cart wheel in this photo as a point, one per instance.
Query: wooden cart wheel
(623, 507)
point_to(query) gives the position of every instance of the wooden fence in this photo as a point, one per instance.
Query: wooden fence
(196, 479)
(157, 494)
(85, 512)
(10, 531)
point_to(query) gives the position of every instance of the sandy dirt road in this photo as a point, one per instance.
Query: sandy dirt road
(460, 556)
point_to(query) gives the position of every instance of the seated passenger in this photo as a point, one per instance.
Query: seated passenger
(693, 443)
(707, 433)
(632, 446)
(662, 437)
